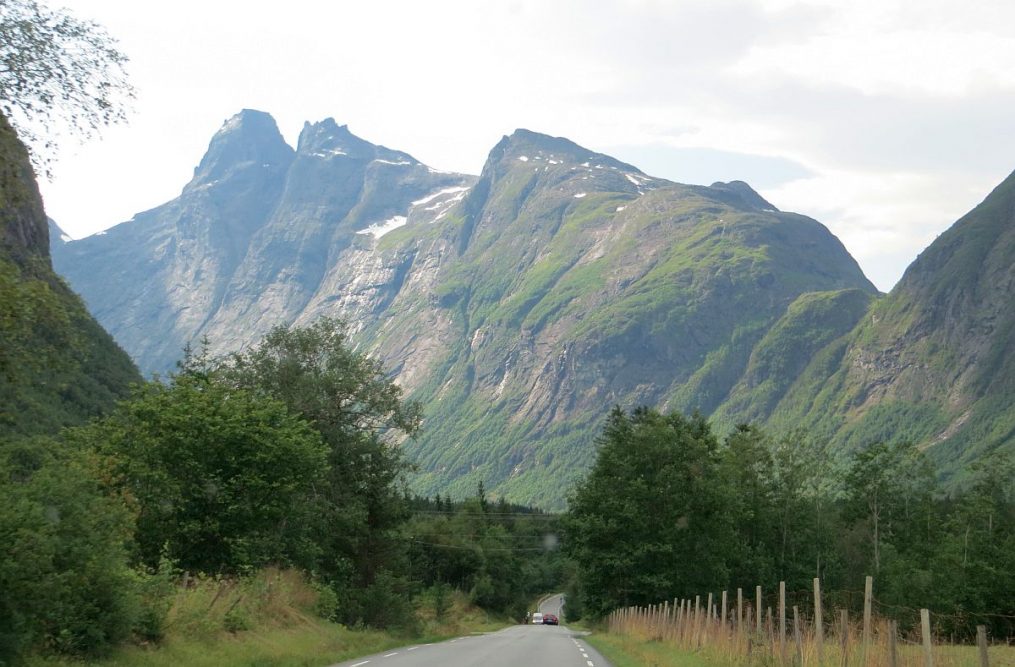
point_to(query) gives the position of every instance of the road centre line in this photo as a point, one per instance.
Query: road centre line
(360, 663)
(391, 654)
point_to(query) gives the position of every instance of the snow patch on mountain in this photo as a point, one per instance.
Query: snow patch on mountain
(379, 229)
(434, 195)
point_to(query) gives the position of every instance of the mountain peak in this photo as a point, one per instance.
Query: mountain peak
(327, 139)
(525, 144)
(740, 194)
(249, 137)
(976, 250)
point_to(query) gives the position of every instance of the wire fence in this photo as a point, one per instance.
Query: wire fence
(811, 629)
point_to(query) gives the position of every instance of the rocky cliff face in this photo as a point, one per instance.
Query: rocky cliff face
(251, 239)
(24, 235)
(517, 307)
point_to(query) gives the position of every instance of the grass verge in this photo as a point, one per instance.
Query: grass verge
(271, 620)
(624, 651)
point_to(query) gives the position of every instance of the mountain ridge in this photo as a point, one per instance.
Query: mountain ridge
(519, 305)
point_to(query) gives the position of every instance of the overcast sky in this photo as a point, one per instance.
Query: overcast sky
(885, 120)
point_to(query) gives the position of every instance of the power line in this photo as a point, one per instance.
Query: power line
(493, 514)
(479, 548)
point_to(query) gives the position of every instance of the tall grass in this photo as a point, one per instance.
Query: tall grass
(270, 619)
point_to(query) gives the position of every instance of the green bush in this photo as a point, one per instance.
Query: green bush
(237, 619)
(326, 605)
(64, 580)
(156, 591)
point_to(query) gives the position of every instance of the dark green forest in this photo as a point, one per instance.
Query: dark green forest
(672, 510)
(285, 455)
(279, 456)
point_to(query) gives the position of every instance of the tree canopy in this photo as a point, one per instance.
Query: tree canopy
(669, 511)
(58, 71)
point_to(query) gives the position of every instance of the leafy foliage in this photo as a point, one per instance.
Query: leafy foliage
(345, 396)
(647, 521)
(502, 555)
(778, 512)
(58, 71)
(64, 580)
(57, 366)
(222, 479)
(34, 323)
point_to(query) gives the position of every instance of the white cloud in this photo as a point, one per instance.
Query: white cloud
(896, 112)
(882, 219)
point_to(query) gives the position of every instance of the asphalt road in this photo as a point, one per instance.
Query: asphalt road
(553, 605)
(528, 645)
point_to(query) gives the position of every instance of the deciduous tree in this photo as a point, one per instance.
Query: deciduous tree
(58, 71)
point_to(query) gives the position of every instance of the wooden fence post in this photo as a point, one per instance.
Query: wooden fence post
(723, 619)
(868, 593)
(981, 642)
(782, 621)
(740, 610)
(682, 629)
(675, 620)
(697, 620)
(819, 630)
(665, 622)
(685, 606)
(757, 610)
(844, 639)
(893, 636)
(928, 653)
(796, 636)
(708, 616)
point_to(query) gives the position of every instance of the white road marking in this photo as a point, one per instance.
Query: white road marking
(413, 648)
(360, 663)
(589, 663)
(391, 654)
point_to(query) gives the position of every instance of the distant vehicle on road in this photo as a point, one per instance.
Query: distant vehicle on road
(550, 619)
(537, 618)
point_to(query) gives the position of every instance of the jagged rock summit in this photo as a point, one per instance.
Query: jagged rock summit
(248, 140)
(251, 239)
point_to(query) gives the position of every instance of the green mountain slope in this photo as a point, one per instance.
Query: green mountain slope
(57, 365)
(518, 308)
(579, 283)
(933, 361)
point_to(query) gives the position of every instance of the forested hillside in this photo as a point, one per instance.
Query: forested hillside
(57, 365)
(930, 363)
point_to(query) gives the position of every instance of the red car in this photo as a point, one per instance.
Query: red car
(550, 619)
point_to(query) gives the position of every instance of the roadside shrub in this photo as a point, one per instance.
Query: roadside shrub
(326, 605)
(64, 581)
